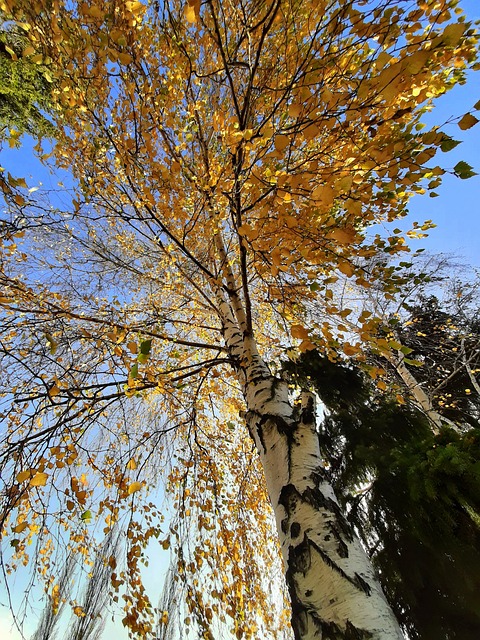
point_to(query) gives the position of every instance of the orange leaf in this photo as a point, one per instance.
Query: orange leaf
(299, 331)
(350, 349)
(132, 347)
(342, 236)
(346, 268)
(281, 142)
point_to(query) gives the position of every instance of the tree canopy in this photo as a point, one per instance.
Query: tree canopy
(232, 166)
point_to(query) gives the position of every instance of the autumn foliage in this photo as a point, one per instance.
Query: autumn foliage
(229, 161)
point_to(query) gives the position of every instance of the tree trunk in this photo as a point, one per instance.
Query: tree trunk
(334, 591)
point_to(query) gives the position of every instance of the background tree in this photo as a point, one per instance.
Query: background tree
(90, 608)
(411, 491)
(228, 161)
(447, 343)
(25, 85)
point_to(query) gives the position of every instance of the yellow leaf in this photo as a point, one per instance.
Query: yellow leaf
(134, 487)
(20, 527)
(132, 347)
(311, 132)
(131, 464)
(53, 391)
(453, 33)
(190, 14)
(342, 236)
(39, 480)
(23, 475)
(125, 58)
(135, 7)
(346, 268)
(94, 12)
(324, 194)
(467, 122)
(276, 257)
(350, 349)
(294, 110)
(417, 61)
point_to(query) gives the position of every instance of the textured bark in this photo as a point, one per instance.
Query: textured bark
(334, 592)
(420, 397)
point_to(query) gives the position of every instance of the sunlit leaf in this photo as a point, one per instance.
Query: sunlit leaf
(23, 475)
(134, 487)
(39, 480)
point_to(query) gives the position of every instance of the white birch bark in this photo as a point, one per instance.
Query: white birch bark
(420, 397)
(334, 592)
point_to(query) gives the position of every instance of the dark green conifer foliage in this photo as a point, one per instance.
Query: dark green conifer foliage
(25, 88)
(414, 498)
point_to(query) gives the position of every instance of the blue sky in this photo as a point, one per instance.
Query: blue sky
(457, 209)
(456, 212)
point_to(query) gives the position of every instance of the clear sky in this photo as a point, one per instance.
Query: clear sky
(456, 212)
(457, 209)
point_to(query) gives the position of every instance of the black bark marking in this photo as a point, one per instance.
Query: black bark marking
(315, 497)
(259, 430)
(295, 529)
(342, 548)
(308, 412)
(304, 618)
(289, 497)
(363, 584)
(300, 557)
(281, 425)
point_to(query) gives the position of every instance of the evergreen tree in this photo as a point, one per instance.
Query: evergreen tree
(413, 496)
(25, 85)
(447, 343)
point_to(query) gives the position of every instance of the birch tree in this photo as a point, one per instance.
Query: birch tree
(228, 161)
